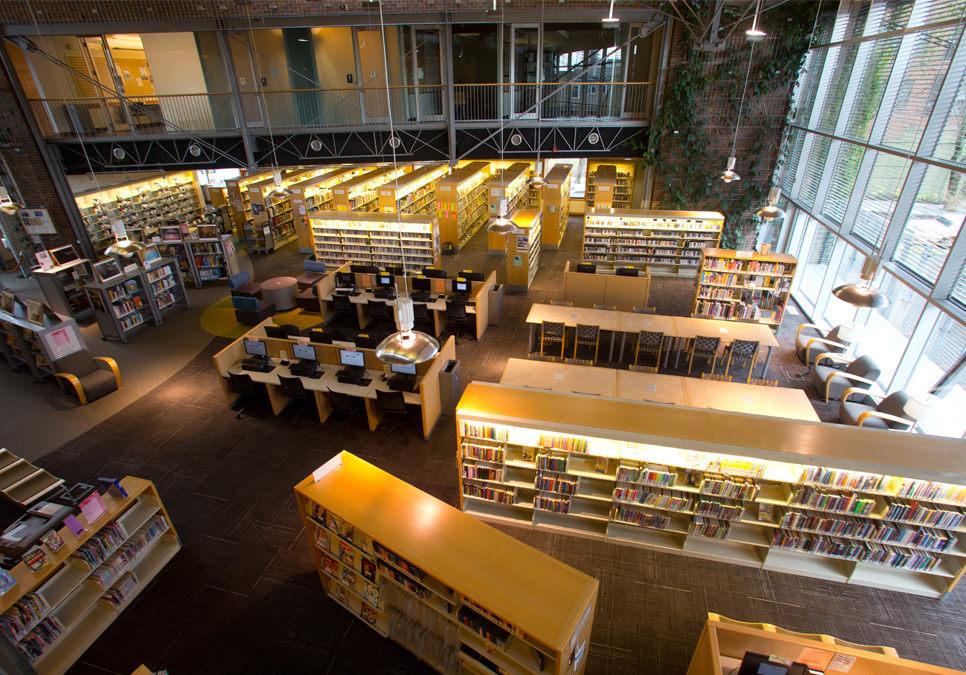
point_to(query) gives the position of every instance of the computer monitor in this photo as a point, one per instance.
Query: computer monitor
(301, 351)
(366, 341)
(345, 280)
(758, 664)
(386, 281)
(422, 284)
(364, 269)
(64, 255)
(627, 271)
(434, 273)
(460, 286)
(256, 348)
(347, 357)
(404, 369)
(473, 276)
(276, 332)
(587, 268)
(396, 270)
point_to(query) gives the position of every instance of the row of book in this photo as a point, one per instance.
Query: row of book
(655, 499)
(22, 616)
(568, 443)
(413, 587)
(829, 501)
(714, 309)
(852, 480)
(482, 472)
(736, 466)
(553, 482)
(478, 430)
(733, 487)
(131, 550)
(40, 638)
(116, 595)
(901, 534)
(857, 551)
(159, 273)
(551, 462)
(709, 527)
(660, 476)
(552, 503)
(101, 544)
(718, 510)
(923, 514)
(493, 494)
(926, 490)
(622, 514)
(399, 562)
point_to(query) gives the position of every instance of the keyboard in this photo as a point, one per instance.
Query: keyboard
(385, 293)
(257, 365)
(422, 297)
(402, 382)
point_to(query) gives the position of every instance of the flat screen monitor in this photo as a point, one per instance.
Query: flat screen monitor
(345, 280)
(758, 664)
(434, 273)
(396, 270)
(460, 286)
(587, 268)
(404, 369)
(385, 280)
(473, 276)
(422, 284)
(319, 336)
(64, 255)
(351, 358)
(255, 348)
(627, 271)
(364, 269)
(276, 332)
(301, 351)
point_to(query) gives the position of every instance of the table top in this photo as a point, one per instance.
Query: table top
(753, 399)
(278, 283)
(689, 327)
(635, 323)
(652, 387)
(605, 318)
(560, 377)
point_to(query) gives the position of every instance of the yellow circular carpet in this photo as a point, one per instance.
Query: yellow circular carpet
(219, 319)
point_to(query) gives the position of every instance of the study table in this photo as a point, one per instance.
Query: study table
(606, 319)
(560, 377)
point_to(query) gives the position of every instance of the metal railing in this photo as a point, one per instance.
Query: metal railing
(340, 108)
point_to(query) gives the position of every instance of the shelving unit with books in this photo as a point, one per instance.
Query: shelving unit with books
(63, 287)
(667, 240)
(165, 287)
(743, 285)
(461, 203)
(556, 205)
(360, 193)
(509, 184)
(374, 238)
(24, 343)
(523, 250)
(609, 186)
(55, 613)
(311, 195)
(847, 504)
(201, 259)
(414, 193)
(428, 583)
(238, 199)
(272, 223)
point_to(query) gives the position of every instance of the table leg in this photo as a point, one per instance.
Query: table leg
(620, 358)
(610, 356)
(530, 339)
(764, 370)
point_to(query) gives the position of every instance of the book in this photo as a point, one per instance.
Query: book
(766, 512)
(346, 553)
(322, 538)
(93, 507)
(349, 577)
(342, 594)
(53, 541)
(368, 614)
(368, 570)
(113, 487)
(74, 525)
(6, 581)
(35, 558)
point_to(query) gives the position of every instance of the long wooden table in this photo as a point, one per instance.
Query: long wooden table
(560, 377)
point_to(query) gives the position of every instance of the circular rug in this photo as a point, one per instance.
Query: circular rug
(219, 319)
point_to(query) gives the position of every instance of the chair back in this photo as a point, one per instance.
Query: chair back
(236, 280)
(645, 310)
(763, 383)
(587, 333)
(643, 369)
(562, 303)
(715, 376)
(366, 341)
(706, 345)
(393, 402)
(314, 266)
(553, 329)
(608, 307)
(242, 384)
(895, 404)
(292, 387)
(378, 309)
(343, 403)
(421, 312)
(245, 302)
(864, 366)
(455, 310)
(343, 304)
(744, 348)
(649, 340)
(78, 364)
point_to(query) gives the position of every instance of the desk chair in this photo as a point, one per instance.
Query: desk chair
(809, 346)
(244, 386)
(704, 348)
(612, 308)
(830, 381)
(650, 343)
(716, 377)
(562, 303)
(351, 408)
(422, 319)
(579, 362)
(241, 285)
(587, 336)
(645, 310)
(552, 333)
(742, 350)
(380, 315)
(457, 317)
(875, 412)
(393, 404)
(343, 306)
(533, 356)
(292, 388)
(86, 376)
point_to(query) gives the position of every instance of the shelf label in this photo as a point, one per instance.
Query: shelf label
(652, 387)
(744, 254)
(559, 376)
(327, 468)
(723, 330)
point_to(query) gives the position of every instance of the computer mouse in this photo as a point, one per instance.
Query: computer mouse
(284, 363)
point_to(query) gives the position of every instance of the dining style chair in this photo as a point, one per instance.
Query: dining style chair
(704, 347)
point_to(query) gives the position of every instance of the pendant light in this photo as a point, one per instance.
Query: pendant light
(729, 174)
(406, 346)
(279, 190)
(610, 18)
(861, 294)
(126, 248)
(11, 208)
(771, 210)
(755, 34)
(503, 224)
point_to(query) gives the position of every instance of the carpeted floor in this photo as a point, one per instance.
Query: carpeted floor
(243, 597)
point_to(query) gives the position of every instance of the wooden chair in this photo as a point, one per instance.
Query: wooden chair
(715, 376)
(551, 333)
(645, 310)
(562, 303)
(743, 350)
(612, 308)
(650, 343)
(533, 356)
(587, 336)
(643, 369)
(579, 362)
(704, 347)
(88, 377)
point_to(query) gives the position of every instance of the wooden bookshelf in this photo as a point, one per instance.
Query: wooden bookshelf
(523, 250)
(556, 205)
(203, 258)
(743, 285)
(238, 200)
(374, 238)
(702, 482)
(509, 184)
(670, 241)
(272, 222)
(74, 598)
(421, 573)
(310, 195)
(609, 185)
(461, 203)
(414, 192)
(360, 193)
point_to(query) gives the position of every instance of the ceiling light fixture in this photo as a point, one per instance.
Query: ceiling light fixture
(771, 211)
(126, 248)
(316, 145)
(754, 34)
(861, 294)
(119, 153)
(195, 150)
(610, 19)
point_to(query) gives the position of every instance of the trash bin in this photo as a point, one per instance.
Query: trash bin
(496, 305)
(449, 387)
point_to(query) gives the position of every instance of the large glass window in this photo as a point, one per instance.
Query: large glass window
(879, 201)
(936, 371)
(816, 263)
(888, 329)
(838, 311)
(843, 179)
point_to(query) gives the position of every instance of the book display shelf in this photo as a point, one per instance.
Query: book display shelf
(556, 205)
(743, 285)
(509, 184)
(375, 238)
(24, 343)
(63, 287)
(53, 614)
(239, 201)
(838, 503)
(609, 187)
(421, 573)
(414, 192)
(523, 250)
(201, 259)
(667, 240)
(127, 303)
(360, 193)
(461, 203)
(272, 223)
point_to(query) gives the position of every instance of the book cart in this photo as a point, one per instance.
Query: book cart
(838, 503)
(461, 203)
(414, 192)
(523, 250)
(360, 193)
(52, 615)
(556, 205)
(374, 238)
(63, 287)
(667, 240)
(509, 184)
(743, 285)
(462, 596)
(127, 303)
(208, 257)
(24, 343)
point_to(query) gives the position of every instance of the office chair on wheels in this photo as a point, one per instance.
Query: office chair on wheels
(457, 318)
(292, 388)
(393, 404)
(349, 407)
(343, 306)
(244, 386)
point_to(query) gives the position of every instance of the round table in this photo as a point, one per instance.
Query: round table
(281, 291)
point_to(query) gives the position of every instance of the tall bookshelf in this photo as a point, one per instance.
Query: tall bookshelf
(743, 285)
(55, 613)
(360, 193)
(314, 195)
(839, 503)
(667, 240)
(523, 250)
(428, 583)
(63, 287)
(609, 186)
(509, 184)
(556, 205)
(461, 203)
(238, 199)
(374, 238)
(207, 257)
(414, 192)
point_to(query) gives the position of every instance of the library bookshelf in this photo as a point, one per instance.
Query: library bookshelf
(609, 185)
(838, 503)
(523, 250)
(201, 258)
(461, 203)
(26, 344)
(239, 201)
(436, 580)
(55, 613)
(509, 184)
(670, 241)
(272, 221)
(63, 287)
(375, 238)
(414, 192)
(743, 285)
(311, 195)
(556, 205)
(360, 193)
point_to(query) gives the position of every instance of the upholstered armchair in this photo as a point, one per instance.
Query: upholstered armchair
(831, 381)
(808, 346)
(88, 377)
(875, 412)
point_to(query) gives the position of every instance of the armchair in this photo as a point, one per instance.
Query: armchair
(835, 341)
(87, 376)
(314, 273)
(250, 311)
(875, 412)
(241, 284)
(831, 382)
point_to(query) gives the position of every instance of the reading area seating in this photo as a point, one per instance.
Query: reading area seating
(86, 376)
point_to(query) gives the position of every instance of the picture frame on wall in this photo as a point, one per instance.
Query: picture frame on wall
(107, 269)
(149, 255)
